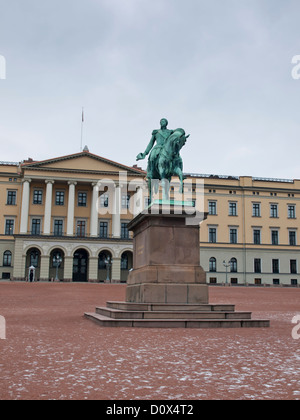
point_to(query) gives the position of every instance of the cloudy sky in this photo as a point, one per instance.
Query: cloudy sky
(220, 69)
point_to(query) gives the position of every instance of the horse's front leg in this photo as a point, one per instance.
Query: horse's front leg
(150, 189)
(179, 173)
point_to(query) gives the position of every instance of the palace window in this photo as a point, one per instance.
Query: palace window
(36, 227)
(233, 236)
(82, 199)
(257, 265)
(9, 227)
(212, 235)
(275, 266)
(213, 265)
(212, 208)
(292, 212)
(275, 237)
(124, 231)
(80, 228)
(7, 259)
(37, 197)
(103, 232)
(125, 201)
(104, 200)
(60, 198)
(293, 266)
(232, 209)
(292, 238)
(11, 198)
(256, 209)
(274, 210)
(256, 237)
(233, 265)
(58, 227)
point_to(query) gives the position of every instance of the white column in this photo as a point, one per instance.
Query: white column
(116, 213)
(25, 206)
(94, 211)
(48, 207)
(71, 205)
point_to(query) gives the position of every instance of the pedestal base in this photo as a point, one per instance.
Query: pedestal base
(167, 293)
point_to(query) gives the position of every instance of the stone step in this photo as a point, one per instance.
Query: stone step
(160, 307)
(121, 314)
(105, 321)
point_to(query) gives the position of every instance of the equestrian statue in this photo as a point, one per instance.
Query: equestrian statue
(164, 159)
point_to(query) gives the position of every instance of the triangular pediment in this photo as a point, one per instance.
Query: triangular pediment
(82, 162)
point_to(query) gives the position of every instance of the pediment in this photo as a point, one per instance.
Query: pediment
(82, 162)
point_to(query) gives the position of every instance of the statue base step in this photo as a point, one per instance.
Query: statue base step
(155, 315)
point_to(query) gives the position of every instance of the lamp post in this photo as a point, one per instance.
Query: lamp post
(227, 264)
(108, 262)
(57, 260)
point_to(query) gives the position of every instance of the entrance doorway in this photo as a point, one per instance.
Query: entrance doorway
(80, 265)
(33, 259)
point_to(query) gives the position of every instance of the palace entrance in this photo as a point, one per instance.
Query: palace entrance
(80, 265)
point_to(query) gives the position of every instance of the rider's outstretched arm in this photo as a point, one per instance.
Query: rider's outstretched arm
(149, 147)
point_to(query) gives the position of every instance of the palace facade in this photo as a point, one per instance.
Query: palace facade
(62, 217)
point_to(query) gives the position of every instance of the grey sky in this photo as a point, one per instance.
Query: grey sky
(221, 69)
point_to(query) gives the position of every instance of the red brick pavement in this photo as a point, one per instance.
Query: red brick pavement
(53, 352)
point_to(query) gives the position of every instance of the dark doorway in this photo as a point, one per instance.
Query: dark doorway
(80, 265)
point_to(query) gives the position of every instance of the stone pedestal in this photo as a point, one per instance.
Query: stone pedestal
(166, 261)
(167, 287)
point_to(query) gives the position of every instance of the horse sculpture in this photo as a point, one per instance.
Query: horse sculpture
(167, 164)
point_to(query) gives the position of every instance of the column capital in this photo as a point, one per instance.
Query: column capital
(72, 182)
(49, 181)
(26, 180)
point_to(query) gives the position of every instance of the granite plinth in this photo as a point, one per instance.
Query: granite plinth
(166, 260)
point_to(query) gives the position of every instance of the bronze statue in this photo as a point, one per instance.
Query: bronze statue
(164, 160)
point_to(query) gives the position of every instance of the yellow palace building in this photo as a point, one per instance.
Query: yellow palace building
(61, 219)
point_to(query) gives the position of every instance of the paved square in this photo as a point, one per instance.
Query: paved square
(52, 352)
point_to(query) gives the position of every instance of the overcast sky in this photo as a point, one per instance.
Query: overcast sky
(220, 69)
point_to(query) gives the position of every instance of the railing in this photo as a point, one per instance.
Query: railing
(290, 181)
(9, 163)
(232, 177)
(194, 175)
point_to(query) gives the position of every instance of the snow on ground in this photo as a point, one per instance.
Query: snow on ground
(53, 352)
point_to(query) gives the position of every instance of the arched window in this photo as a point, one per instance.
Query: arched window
(7, 259)
(212, 265)
(233, 265)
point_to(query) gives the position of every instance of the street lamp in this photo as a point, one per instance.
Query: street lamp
(57, 260)
(227, 265)
(108, 262)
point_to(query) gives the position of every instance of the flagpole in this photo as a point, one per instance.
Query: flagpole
(82, 121)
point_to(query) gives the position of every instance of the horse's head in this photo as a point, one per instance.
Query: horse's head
(176, 141)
